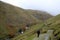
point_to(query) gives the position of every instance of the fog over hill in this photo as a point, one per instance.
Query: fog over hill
(50, 6)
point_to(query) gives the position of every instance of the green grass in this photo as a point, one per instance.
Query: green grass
(31, 37)
(29, 32)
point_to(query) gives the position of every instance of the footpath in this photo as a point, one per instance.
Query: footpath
(45, 36)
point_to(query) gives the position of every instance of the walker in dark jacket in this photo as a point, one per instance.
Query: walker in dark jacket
(38, 33)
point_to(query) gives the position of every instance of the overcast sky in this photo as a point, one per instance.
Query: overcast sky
(51, 6)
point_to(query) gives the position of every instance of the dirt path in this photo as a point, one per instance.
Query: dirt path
(45, 36)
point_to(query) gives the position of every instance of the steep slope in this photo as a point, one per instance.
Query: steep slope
(13, 18)
(54, 24)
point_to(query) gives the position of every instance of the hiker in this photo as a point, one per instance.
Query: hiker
(38, 33)
(20, 31)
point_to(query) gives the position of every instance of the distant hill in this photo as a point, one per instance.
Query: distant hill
(13, 18)
(40, 15)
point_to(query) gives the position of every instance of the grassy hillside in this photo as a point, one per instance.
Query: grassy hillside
(13, 18)
(54, 24)
(30, 34)
(51, 24)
